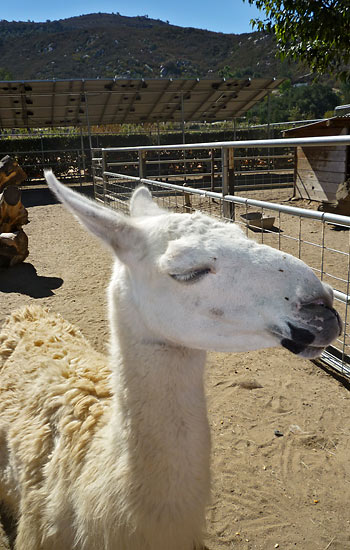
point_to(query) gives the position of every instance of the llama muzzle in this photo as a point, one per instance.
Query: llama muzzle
(316, 326)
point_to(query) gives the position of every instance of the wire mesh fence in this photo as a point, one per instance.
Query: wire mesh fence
(320, 239)
(253, 169)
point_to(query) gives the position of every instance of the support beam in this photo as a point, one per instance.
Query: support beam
(228, 181)
(87, 119)
(142, 165)
(82, 152)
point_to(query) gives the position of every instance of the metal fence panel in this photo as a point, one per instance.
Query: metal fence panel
(318, 238)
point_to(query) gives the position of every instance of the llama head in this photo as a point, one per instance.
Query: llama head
(201, 283)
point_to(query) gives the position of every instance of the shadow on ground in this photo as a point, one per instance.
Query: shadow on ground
(272, 229)
(42, 196)
(23, 279)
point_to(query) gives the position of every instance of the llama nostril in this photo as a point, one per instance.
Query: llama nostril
(320, 314)
(322, 301)
(319, 302)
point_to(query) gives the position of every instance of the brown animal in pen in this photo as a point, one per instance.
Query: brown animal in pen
(10, 173)
(13, 215)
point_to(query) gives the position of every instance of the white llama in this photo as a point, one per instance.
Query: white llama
(114, 455)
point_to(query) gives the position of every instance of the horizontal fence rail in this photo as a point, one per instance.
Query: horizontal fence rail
(321, 239)
(258, 143)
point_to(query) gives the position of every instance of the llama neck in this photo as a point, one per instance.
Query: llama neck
(156, 441)
(160, 382)
(160, 411)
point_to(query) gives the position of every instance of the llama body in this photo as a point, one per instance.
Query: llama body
(78, 434)
(114, 454)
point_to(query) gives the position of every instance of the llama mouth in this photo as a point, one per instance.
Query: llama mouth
(310, 342)
(306, 351)
(300, 342)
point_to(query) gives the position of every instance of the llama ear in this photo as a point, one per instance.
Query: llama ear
(141, 204)
(115, 230)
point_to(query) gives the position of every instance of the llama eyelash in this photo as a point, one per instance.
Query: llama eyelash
(190, 276)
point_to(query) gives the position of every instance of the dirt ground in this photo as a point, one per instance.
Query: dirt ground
(286, 491)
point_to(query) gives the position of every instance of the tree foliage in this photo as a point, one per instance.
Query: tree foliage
(315, 32)
(296, 103)
(5, 74)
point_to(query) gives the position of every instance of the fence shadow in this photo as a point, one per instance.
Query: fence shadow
(23, 279)
(42, 196)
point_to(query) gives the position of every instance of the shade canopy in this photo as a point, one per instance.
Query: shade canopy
(53, 103)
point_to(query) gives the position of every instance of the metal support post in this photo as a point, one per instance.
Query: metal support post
(228, 188)
(295, 175)
(93, 172)
(182, 117)
(42, 152)
(104, 177)
(82, 153)
(183, 134)
(142, 165)
(268, 126)
(87, 118)
(212, 170)
(158, 141)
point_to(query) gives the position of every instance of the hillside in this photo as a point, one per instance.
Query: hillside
(111, 45)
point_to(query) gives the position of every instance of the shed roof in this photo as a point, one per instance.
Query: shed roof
(52, 103)
(336, 123)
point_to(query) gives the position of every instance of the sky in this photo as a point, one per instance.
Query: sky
(228, 16)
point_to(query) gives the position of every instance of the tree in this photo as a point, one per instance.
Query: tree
(5, 74)
(345, 91)
(227, 72)
(296, 103)
(315, 32)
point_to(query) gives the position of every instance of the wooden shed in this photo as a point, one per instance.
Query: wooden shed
(322, 173)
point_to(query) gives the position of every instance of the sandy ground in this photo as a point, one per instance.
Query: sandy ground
(285, 491)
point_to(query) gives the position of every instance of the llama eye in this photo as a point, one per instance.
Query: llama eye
(190, 276)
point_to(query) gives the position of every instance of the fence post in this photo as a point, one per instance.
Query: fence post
(228, 186)
(79, 167)
(142, 165)
(82, 153)
(93, 173)
(212, 170)
(42, 152)
(295, 173)
(104, 177)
